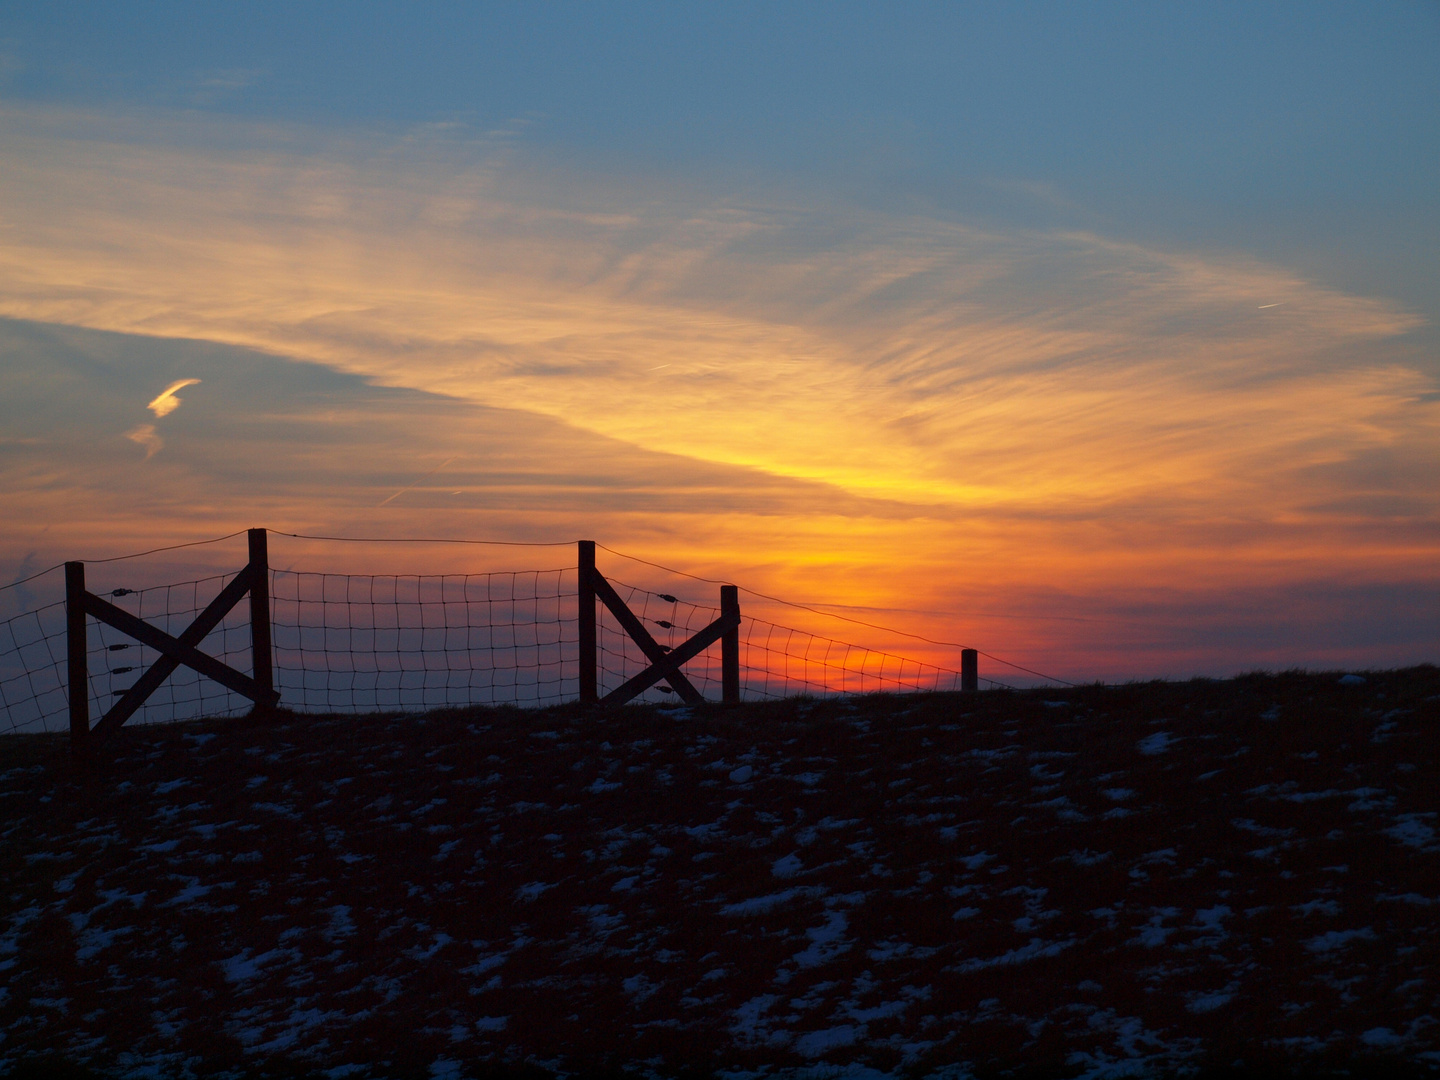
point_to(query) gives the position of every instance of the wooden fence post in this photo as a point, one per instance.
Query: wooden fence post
(969, 671)
(730, 647)
(589, 680)
(261, 657)
(77, 661)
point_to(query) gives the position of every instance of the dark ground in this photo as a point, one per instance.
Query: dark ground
(1240, 877)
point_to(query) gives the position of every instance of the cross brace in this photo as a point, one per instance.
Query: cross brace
(653, 650)
(176, 651)
(664, 663)
(668, 665)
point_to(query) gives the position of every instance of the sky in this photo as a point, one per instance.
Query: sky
(1101, 337)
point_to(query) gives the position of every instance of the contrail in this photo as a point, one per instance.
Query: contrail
(418, 480)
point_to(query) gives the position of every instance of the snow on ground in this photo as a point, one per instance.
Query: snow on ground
(1150, 877)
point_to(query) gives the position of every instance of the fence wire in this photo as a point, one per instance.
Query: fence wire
(363, 643)
(34, 686)
(118, 660)
(356, 643)
(671, 622)
(775, 661)
(32, 668)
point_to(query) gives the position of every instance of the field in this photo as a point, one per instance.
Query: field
(1159, 878)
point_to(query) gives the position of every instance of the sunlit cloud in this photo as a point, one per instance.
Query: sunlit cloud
(145, 435)
(1066, 417)
(166, 402)
(907, 358)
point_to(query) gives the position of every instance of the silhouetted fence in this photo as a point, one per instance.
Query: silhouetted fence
(330, 642)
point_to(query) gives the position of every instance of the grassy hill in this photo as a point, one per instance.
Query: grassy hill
(1227, 875)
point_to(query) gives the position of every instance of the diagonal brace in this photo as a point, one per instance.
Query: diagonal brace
(652, 649)
(669, 663)
(177, 651)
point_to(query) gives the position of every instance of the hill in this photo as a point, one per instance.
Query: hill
(1154, 877)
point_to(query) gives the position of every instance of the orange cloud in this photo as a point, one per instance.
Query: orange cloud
(1048, 419)
(166, 402)
(144, 435)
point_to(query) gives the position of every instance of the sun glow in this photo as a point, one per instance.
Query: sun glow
(1013, 431)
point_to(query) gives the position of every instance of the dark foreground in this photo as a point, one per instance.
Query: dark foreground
(1236, 877)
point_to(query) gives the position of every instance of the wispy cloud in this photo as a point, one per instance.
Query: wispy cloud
(1072, 413)
(146, 436)
(888, 356)
(166, 402)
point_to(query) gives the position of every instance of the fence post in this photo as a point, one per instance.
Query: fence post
(969, 671)
(589, 681)
(730, 647)
(77, 661)
(261, 659)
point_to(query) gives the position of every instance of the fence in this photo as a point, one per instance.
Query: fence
(331, 642)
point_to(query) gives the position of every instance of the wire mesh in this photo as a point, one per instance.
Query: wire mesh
(779, 661)
(671, 622)
(34, 686)
(117, 660)
(356, 643)
(32, 668)
(775, 661)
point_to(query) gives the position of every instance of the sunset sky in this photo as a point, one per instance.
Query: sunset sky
(1100, 336)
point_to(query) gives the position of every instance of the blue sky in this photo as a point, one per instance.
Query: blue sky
(1130, 307)
(1292, 129)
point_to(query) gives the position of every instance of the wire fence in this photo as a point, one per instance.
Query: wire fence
(365, 643)
(353, 643)
(775, 661)
(34, 688)
(32, 669)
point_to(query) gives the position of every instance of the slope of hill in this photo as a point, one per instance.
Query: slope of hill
(1155, 877)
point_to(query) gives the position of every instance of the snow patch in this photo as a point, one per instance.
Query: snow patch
(243, 966)
(94, 939)
(1033, 951)
(1338, 939)
(1153, 933)
(787, 867)
(1158, 743)
(826, 942)
(191, 892)
(1204, 1003)
(1382, 1038)
(340, 926)
(748, 1023)
(1412, 831)
(818, 1043)
(758, 905)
